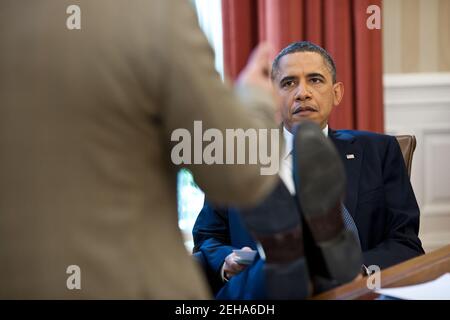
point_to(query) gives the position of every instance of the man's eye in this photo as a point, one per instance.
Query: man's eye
(316, 80)
(288, 84)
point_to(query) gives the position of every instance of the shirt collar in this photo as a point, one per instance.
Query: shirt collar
(289, 140)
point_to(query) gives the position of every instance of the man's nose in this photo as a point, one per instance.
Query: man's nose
(303, 92)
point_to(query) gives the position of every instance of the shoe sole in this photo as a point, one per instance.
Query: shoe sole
(320, 183)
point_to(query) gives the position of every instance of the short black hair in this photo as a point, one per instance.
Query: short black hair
(304, 46)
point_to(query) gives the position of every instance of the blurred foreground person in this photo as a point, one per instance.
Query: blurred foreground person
(88, 187)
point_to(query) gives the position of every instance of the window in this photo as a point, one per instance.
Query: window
(190, 197)
(209, 14)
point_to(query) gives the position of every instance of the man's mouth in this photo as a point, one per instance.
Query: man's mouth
(304, 110)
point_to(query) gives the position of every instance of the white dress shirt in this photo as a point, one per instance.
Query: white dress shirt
(285, 171)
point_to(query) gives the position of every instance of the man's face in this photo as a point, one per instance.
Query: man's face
(306, 87)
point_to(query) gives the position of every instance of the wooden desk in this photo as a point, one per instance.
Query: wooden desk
(418, 270)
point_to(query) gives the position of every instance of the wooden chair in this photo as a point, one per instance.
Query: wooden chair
(407, 145)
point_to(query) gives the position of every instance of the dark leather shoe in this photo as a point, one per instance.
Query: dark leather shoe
(276, 226)
(333, 252)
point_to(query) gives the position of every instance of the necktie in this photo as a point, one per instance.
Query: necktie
(350, 223)
(286, 176)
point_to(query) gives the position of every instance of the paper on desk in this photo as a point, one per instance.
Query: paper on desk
(438, 289)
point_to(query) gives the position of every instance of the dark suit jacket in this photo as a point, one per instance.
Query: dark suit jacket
(379, 198)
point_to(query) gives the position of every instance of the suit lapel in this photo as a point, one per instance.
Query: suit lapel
(351, 153)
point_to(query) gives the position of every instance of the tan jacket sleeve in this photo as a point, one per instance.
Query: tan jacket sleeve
(194, 91)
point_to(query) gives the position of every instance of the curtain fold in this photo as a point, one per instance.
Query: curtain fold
(339, 26)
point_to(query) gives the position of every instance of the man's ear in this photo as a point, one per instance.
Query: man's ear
(338, 93)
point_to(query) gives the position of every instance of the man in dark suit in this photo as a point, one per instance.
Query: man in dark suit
(379, 197)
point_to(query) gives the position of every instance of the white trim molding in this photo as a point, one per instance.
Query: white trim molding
(419, 104)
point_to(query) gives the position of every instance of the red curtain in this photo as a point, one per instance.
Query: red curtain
(339, 26)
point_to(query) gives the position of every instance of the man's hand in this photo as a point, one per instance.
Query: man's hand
(257, 70)
(231, 267)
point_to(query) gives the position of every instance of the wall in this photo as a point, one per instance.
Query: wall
(416, 36)
(419, 104)
(416, 39)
